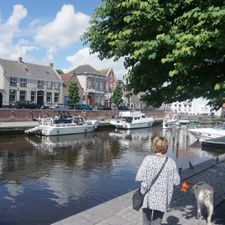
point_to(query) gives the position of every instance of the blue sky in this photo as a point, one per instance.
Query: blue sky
(49, 31)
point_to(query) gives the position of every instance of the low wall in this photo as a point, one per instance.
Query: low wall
(13, 115)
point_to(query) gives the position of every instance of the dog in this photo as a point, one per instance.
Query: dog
(204, 195)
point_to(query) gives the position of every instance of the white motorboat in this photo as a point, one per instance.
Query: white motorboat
(208, 133)
(63, 126)
(132, 120)
(171, 124)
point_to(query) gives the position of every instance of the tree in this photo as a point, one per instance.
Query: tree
(117, 96)
(60, 72)
(73, 90)
(174, 50)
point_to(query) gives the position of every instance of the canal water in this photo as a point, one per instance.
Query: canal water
(45, 179)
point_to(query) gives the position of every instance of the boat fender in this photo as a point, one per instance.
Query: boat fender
(51, 121)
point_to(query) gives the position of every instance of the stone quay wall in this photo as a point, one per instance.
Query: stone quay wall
(17, 115)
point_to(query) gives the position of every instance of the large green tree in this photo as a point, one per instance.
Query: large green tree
(174, 50)
(117, 96)
(73, 91)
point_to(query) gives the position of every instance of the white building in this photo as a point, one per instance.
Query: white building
(21, 81)
(195, 107)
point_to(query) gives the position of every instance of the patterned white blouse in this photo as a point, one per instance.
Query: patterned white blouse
(160, 194)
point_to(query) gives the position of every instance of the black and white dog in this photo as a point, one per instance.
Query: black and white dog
(204, 197)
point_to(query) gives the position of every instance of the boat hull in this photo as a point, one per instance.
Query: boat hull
(125, 125)
(171, 124)
(206, 133)
(214, 143)
(69, 129)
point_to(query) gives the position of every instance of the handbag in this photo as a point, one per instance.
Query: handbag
(138, 197)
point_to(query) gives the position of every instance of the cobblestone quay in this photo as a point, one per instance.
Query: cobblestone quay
(183, 208)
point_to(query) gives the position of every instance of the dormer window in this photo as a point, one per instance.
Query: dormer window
(49, 85)
(13, 81)
(23, 82)
(56, 86)
(40, 84)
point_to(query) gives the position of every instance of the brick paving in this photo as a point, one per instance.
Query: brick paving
(183, 207)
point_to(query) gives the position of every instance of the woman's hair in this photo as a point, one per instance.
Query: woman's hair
(159, 144)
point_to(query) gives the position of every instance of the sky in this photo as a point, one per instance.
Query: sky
(48, 31)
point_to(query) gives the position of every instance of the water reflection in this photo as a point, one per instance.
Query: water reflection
(68, 174)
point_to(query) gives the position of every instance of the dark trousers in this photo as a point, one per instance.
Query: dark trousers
(152, 217)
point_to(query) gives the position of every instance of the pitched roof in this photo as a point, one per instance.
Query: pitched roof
(104, 72)
(66, 77)
(28, 70)
(85, 69)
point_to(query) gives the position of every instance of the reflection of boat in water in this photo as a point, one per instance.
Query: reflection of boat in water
(132, 120)
(132, 139)
(134, 136)
(64, 141)
(63, 124)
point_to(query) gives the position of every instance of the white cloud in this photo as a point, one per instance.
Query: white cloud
(19, 12)
(83, 57)
(8, 30)
(63, 31)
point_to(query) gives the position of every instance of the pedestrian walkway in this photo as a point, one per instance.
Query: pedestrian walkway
(183, 208)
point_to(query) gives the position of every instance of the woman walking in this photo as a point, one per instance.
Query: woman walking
(158, 198)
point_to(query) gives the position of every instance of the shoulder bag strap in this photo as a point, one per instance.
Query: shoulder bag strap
(156, 177)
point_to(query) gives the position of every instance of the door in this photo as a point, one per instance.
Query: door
(40, 98)
(1, 98)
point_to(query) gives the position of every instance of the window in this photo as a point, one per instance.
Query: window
(97, 86)
(12, 96)
(107, 88)
(22, 95)
(40, 84)
(101, 86)
(13, 81)
(56, 97)
(190, 108)
(33, 96)
(49, 85)
(56, 86)
(23, 82)
(179, 108)
(89, 83)
(49, 97)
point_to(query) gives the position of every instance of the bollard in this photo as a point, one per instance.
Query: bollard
(220, 158)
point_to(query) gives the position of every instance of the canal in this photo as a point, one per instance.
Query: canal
(45, 179)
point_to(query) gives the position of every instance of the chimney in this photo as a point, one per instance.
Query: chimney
(51, 65)
(20, 60)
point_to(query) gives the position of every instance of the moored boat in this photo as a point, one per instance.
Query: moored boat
(63, 126)
(218, 142)
(171, 124)
(207, 133)
(132, 120)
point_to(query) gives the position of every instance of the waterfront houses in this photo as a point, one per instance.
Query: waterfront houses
(110, 85)
(93, 84)
(20, 81)
(67, 79)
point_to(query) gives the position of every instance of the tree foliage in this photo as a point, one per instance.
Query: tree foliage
(73, 90)
(174, 50)
(117, 96)
(60, 72)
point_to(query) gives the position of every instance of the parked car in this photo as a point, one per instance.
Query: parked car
(25, 105)
(123, 108)
(82, 107)
(60, 106)
(103, 107)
